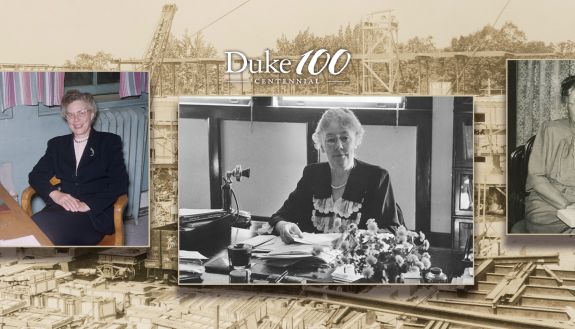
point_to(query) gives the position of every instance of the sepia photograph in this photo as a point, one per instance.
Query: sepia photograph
(74, 164)
(297, 189)
(541, 141)
(402, 48)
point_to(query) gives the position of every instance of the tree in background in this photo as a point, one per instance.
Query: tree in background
(466, 74)
(410, 70)
(483, 70)
(472, 76)
(348, 37)
(180, 79)
(565, 48)
(189, 78)
(101, 61)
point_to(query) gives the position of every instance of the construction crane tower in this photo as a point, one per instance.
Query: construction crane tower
(380, 58)
(154, 56)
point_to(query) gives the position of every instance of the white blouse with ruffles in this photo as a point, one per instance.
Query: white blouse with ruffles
(341, 210)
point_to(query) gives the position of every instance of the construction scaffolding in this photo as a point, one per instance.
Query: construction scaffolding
(154, 56)
(490, 185)
(380, 57)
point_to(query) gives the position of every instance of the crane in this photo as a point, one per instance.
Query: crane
(154, 56)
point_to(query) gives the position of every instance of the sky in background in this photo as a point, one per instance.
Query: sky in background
(51, 31)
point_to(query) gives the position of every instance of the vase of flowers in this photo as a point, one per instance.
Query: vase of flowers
(381, 256)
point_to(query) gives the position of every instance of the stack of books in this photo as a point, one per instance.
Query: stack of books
(191, 264)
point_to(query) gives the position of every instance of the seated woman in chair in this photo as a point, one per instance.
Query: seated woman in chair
(551, 174)
(332, 195)
(90, 166)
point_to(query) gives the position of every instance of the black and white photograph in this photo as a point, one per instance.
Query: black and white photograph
(541, 141)
(297, 189)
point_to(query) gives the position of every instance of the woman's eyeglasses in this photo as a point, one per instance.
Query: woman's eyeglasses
(333, 140)
(80, 115)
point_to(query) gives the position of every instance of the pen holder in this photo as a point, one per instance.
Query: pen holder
(435, 275)
(240, 276)
(239, 256)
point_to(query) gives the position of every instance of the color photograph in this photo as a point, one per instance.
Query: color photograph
(77, 165)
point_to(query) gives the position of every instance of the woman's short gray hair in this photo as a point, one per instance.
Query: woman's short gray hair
(344, 117)
(75, 95)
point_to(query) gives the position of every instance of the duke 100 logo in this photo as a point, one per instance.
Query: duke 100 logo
(312, 62)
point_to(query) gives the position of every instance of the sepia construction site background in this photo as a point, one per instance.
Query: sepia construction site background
(521, 282)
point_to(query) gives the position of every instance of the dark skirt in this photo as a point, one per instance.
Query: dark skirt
(66, 228)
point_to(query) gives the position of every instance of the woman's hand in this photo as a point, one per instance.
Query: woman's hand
(83, 207)
(286, 231)
(570, 206)
(68, 202)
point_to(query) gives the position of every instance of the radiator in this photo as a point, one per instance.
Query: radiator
(131, 125)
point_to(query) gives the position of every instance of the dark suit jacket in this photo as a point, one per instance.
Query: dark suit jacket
(367, 184)
(100, 179)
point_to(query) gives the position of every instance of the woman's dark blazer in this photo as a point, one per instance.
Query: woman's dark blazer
(100, 179)
(367, 184)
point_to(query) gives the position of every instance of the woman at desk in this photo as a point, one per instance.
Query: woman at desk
(332, 195)
(551, 172)
(90, 166)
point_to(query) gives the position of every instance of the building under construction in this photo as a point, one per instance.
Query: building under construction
(510, 292)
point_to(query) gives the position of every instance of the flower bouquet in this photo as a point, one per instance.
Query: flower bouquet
(375, 255)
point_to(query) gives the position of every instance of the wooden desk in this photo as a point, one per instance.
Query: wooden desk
(447, 259)
(15, 223)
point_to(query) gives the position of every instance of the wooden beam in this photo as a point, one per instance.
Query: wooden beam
(423, 311)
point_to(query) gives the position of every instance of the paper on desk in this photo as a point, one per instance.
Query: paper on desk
(25, 241)
(185, 254)
(276, 245)
(567, 216)
(322, 239)
(290, 251)
(303, 252)
(191, 267)
(258, 240)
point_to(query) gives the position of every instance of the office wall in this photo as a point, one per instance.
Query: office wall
(193, 164)
(24, 138)
(276, 154)
(441, 164)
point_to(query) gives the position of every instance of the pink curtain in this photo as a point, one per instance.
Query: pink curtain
(133, 83)
(30, 88)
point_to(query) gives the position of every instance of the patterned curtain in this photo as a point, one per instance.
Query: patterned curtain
(30, 88)
(539, 94)
(133, 83)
